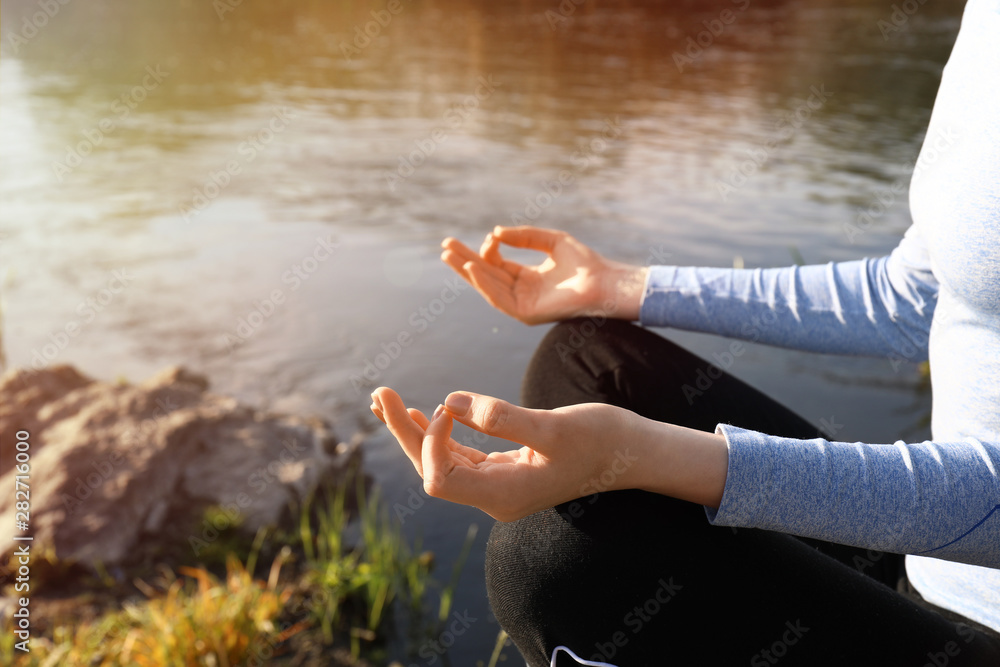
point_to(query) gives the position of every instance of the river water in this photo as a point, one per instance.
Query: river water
(257, 190)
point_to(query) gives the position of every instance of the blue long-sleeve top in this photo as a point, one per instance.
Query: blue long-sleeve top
(936, 297)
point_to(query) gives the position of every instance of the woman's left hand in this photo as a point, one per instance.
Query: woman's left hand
(567, 453)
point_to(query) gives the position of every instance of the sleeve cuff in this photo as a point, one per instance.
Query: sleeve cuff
(749, 478)
(659, 279)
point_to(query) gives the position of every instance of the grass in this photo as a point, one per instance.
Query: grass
(321, 592)
(200, 620)
(369, 577)
(497, 655)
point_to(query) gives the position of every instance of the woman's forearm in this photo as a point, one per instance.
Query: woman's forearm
(682, 463)
(621, 292)
(876, 307)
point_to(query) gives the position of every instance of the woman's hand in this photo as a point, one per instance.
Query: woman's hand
(572, 281)
(566, 453)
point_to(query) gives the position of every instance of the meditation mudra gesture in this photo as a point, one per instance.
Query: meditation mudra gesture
(642, 525)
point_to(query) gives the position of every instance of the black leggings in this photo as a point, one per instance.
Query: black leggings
(633, 578)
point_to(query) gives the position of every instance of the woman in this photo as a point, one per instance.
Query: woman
(661, 512)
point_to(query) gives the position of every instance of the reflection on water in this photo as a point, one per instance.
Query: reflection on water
(208, 149)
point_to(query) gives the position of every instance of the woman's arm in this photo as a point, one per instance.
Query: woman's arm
(567, 453)
(875, 307)
(930, 498)
(934, 499)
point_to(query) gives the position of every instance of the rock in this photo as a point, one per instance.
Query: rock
(24, 393)
(110, 464)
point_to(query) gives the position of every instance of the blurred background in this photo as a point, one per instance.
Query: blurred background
(213, 153)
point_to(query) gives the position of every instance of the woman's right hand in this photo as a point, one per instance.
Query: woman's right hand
(572, 281)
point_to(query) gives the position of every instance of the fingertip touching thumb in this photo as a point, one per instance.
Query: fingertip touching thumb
(440, 424)
(458, 403)
(486, 414)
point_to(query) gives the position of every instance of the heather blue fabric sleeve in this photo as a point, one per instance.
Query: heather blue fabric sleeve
(875, 307)
(932, 499)
(937, 499)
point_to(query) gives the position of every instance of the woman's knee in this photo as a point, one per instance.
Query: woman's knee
(570, 337)
(549, 575)
(522, 580)
(578, 359)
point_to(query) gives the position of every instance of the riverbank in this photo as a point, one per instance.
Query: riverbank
(159, 522)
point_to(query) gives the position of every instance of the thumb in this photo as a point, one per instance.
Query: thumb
(435, 456)
(494, 416)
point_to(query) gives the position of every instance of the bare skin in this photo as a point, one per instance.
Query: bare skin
(568, 452)
(572, 281)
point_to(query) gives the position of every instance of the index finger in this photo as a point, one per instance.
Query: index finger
(490, 250)
(456, 254)
(532, 238)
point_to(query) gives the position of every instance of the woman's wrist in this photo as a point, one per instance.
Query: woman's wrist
(681, 462)
(621, 291)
